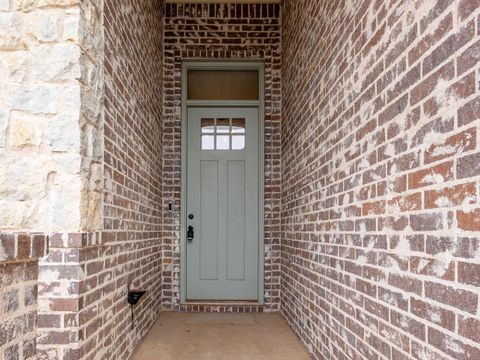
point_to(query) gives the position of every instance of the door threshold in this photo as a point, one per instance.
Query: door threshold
(218, 306)
(223, 302)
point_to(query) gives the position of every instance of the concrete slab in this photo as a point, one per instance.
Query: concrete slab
(213, 336)
(220, 318)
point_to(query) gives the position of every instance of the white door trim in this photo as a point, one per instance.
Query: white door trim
(239, 65)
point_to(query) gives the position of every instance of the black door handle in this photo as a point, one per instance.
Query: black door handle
(190, 233)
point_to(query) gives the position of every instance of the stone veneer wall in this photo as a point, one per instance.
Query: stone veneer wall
(50, 146)
(50, 140)
(380, 182)
(215, 32)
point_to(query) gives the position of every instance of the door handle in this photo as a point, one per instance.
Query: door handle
(190, 233)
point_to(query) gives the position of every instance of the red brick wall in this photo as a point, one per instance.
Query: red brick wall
(61, 313)
(19, 255)
(129, 254)
(220, 31)
(380, 181)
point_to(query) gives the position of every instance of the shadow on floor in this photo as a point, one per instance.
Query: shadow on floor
(214, 336)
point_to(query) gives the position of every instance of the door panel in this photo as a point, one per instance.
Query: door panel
(236, 220)
(209, 220)
(222, 197)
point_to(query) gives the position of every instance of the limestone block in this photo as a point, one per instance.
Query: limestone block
(90, 16)
(5, 5)
(10, 31)
(63, 133)
(56, 62)
(58, 210)
(22, 178)
(44, 26)
(92, 196)
(14, 214)
(97, 144)
(65, 205)
(92, 141)
(4, 115)
(40, 98)
(43, 216)
(17, 66)
(70, 98)
(71, 28)
(91, 106)
(66, 163)
(92, 215)
(24, 131)
(35, 4)
(92, 73)
(96, 176)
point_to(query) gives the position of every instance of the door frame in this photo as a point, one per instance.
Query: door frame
(260, 105)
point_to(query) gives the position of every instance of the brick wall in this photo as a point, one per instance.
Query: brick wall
(130, 251)
(380, 182)
(220, 31)
(19, 255)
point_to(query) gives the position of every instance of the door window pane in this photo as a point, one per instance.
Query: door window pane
(223, 142)
(208, 126)
(238, 142)
(208, 142)
(223, 126)
(223, 85)
(238, 126)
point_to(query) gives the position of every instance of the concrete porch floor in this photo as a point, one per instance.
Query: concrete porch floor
(218, 336)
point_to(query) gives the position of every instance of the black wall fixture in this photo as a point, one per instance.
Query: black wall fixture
(133, 298)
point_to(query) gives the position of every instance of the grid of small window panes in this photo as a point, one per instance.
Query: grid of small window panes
(223, 134)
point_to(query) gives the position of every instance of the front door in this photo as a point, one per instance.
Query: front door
(222, 204)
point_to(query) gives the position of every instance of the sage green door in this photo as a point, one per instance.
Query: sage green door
(222, 204)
